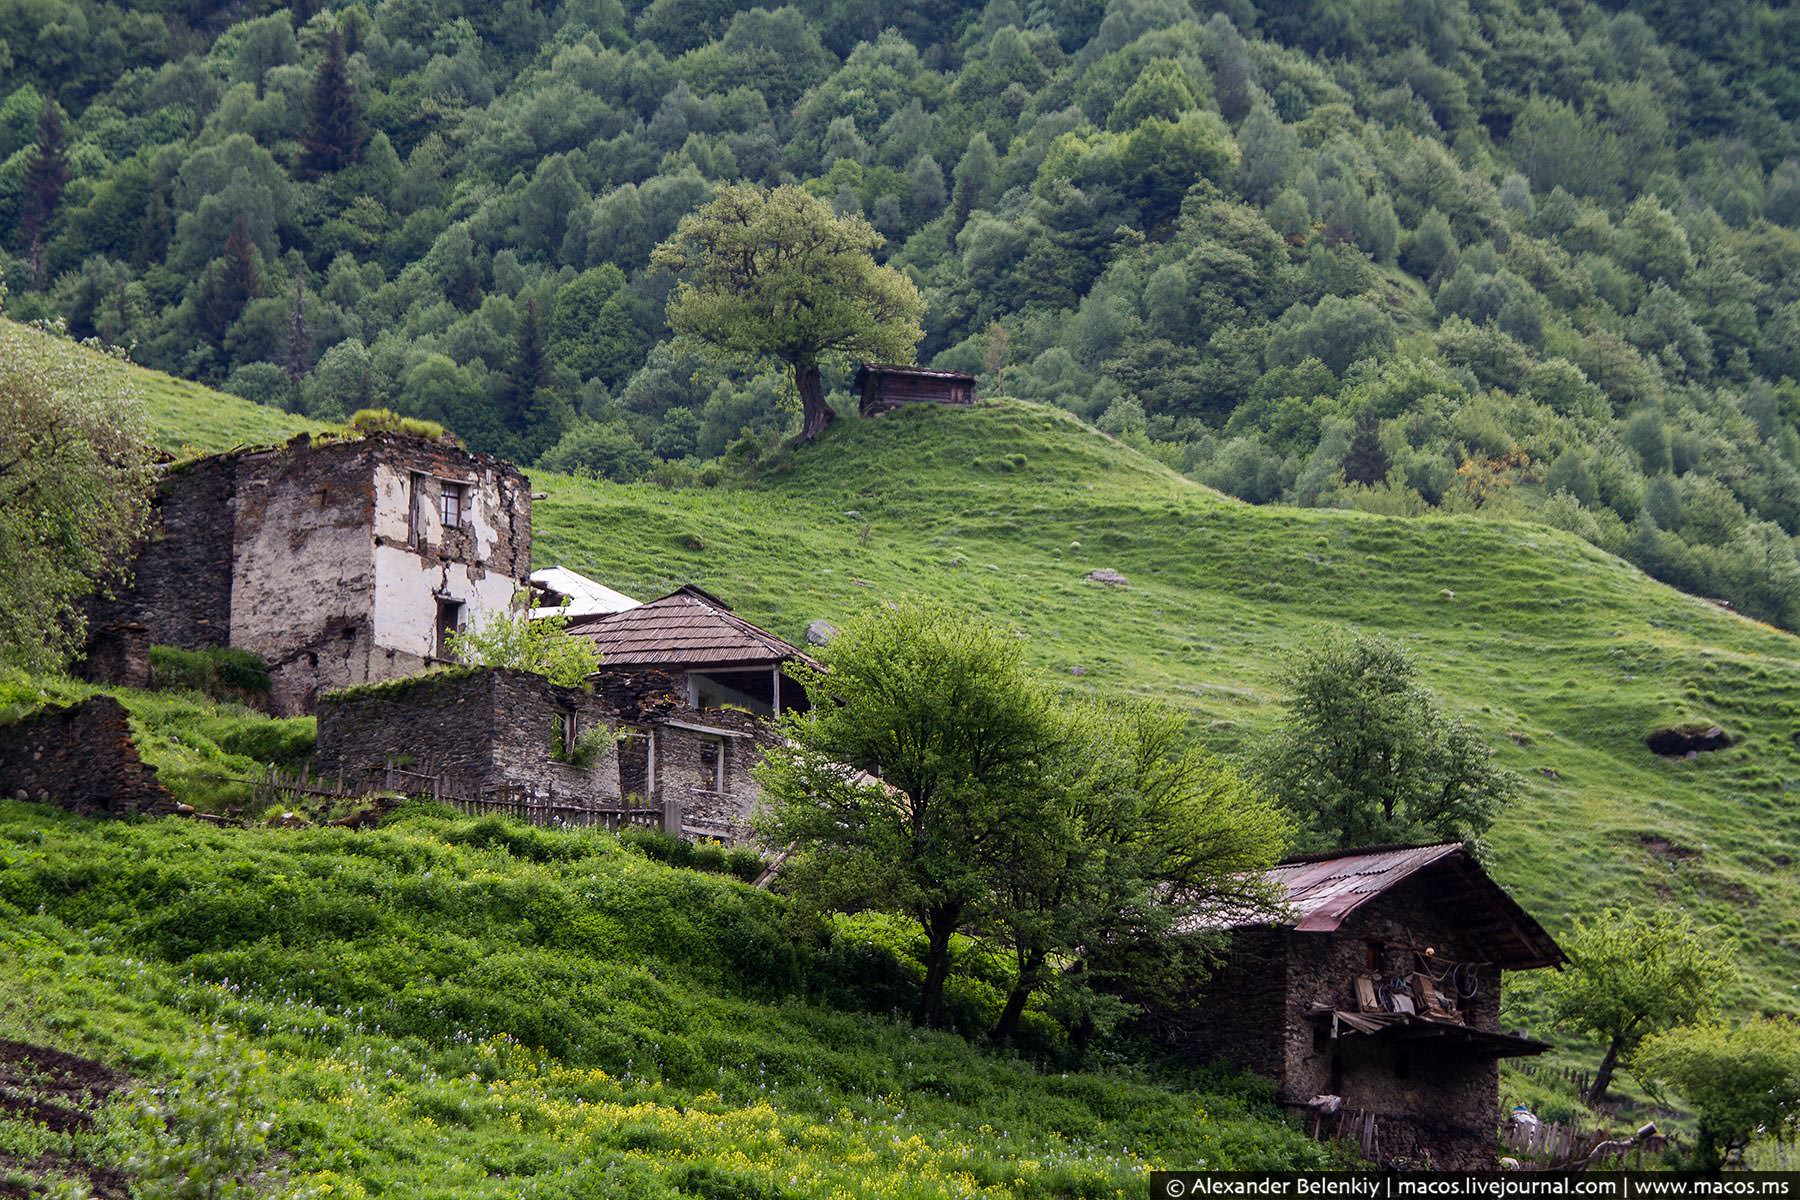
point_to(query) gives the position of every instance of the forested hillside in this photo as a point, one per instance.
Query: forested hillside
(1494, 255)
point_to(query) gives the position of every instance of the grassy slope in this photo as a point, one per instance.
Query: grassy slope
(469, 1008)
(185, 418)
(1522, 629)
(1005, 508)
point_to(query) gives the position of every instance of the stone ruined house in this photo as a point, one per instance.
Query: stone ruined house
(477, 731)
(687, 684)
(1377, 993)
(338, 561)
(693, 685)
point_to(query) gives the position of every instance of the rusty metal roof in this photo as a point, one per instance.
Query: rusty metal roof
(688, 627)
(1324, 890)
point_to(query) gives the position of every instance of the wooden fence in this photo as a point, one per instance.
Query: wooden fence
(1547, 1145)
(539, 806)
(1351, 1125)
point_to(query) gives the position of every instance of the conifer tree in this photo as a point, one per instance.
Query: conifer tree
(334, 134)
(46, 171)
(528, 372)
(299, 344)
(230, 284)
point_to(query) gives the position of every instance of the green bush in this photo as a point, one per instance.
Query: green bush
(222, 672)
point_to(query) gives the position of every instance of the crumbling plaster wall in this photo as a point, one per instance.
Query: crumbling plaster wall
(483, 564)
(303, 577)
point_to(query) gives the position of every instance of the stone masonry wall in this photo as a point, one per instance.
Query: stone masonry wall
(1239, 1015)
(686, 775)
(80, 757)
(480, 729)
(1433, 1099)
(179, 593)
(308, 555)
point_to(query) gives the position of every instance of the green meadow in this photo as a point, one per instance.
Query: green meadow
(450, 1007)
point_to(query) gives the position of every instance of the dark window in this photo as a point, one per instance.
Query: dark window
(1372, 955)
(450, 504)
(449, 620)
(563, 736)
(712, 764)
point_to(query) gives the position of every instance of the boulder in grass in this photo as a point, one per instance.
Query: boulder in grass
(1108, 576)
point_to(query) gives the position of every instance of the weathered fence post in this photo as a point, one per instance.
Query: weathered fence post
(671, 817)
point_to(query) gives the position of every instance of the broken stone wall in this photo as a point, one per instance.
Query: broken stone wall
(703, 763)
(179, 593)
(81, 757)
(481, 730)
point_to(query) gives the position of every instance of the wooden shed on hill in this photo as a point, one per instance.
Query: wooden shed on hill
(1377, 993)
(881, 388)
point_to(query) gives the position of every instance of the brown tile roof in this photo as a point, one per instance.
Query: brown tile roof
(688, 627)
(1323, 890)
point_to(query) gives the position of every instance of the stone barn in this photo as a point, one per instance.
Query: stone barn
(694, 684)
(481, 730)
(339, 561)
(1378, 992)
(882, 388)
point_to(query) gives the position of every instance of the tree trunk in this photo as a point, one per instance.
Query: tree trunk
(815, 414)
(937, 968)
(1007, 1027)
(1603, 1077)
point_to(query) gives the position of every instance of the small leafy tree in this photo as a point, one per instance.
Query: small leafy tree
(926, 743)
(541, 645)
(775, 272)
(1633, 975)
(1366, 755)
(75, 488)
(1741, 1080)
(1143, 832)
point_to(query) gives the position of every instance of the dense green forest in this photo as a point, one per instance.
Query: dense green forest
(1532, 259)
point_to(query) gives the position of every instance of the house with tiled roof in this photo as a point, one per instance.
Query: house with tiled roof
(688, 689)
(1371, 997)
(694, 687)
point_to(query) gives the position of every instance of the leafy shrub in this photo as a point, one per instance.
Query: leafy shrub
(366, 422)
(222, 672)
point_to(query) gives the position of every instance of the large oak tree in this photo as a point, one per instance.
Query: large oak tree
(774, 272)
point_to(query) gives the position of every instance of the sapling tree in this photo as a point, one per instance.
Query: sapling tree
(775, 273)
(927, 743)
(1142, 833)
(75, 488)
(1365, 755)
(1632, 975)
(1741, 1079)
(542, 645)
